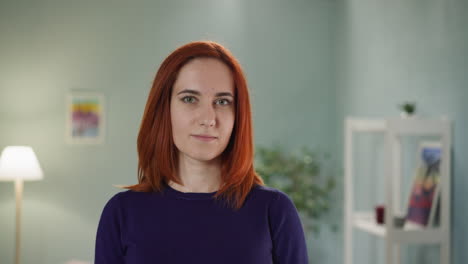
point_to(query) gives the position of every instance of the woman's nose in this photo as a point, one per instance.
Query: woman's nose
(208, 116)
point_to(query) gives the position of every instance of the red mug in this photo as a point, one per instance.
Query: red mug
(380, 214)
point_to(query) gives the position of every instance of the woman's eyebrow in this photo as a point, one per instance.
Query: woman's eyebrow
(198, 93)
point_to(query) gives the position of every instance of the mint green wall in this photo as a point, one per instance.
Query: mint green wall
(391, 51)
(49, 47)
(309, 64)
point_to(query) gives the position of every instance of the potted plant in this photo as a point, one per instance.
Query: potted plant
(407, 109)
(302, 177)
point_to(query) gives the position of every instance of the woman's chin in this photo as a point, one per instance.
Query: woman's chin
(204, 157)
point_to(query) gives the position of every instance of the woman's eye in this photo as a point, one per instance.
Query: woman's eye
(188, 99)
(224, 101)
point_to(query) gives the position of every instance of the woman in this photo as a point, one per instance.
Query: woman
(198, 198)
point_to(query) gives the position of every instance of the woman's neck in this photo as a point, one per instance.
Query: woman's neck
(198, 176)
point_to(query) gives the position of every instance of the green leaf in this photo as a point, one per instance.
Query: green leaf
(300, 176)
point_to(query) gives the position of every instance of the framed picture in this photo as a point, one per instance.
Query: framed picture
(425, 191)
(85, 121)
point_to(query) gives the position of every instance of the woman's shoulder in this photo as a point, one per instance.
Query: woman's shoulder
(130, 193)
(125, 196)
(258, 192)
(265, 190)
(269, 193)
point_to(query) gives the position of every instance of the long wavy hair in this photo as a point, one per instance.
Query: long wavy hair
(157, 153)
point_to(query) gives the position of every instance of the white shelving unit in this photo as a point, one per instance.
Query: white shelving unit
(393, 129)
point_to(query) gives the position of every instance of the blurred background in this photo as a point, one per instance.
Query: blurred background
(309, 65)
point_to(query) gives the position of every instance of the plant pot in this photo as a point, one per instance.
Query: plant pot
(404, 114)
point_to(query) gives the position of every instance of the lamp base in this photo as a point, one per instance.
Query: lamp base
(19, 196)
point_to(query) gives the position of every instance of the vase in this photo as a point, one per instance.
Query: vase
(404, 114)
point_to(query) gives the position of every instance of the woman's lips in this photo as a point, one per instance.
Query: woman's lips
(204, 138)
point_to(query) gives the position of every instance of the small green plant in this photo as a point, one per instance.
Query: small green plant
(301, 177)
(408, 107)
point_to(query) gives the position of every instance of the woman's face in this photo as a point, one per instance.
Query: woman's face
(202, 104)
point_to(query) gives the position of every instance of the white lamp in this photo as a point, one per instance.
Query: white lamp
(19, 163)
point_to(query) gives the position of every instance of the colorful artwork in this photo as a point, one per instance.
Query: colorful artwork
(424, 193)
(85, 118)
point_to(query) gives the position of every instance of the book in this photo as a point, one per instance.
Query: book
(425, 191)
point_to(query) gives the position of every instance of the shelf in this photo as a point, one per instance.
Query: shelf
(394, 131)
(365, 221)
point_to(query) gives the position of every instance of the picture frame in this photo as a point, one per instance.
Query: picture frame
(425, 191)
(85, 118)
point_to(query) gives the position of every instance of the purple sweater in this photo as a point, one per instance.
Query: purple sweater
(173, 227)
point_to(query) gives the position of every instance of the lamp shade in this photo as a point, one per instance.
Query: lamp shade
(19, 162)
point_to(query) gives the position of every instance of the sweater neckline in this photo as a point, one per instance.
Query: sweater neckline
(189, 195)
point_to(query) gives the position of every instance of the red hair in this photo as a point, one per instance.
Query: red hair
(157, 153)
